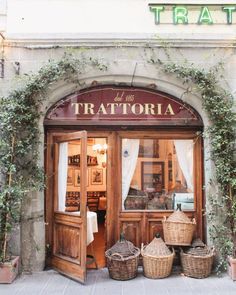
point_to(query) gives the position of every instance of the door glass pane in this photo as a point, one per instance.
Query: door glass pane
(69, 175)
(73, 176)
(157, 174)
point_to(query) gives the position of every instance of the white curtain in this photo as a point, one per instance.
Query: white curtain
(62, 175)
(184, 151)
(130, 148)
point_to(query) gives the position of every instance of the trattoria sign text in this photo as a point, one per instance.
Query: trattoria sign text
(198, 14)
(116, 104)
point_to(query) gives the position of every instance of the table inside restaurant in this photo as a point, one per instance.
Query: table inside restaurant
(92, 226)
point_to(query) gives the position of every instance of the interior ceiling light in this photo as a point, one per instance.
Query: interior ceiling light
(100, 148)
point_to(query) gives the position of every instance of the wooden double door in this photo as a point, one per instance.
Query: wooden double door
(66, 233)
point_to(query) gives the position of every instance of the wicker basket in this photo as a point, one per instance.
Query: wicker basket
(198, 267)
(122, 260)
(157, 259)
(178, 229)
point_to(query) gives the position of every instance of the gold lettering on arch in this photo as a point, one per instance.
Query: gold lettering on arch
(102, 109)
(169, 110)
(125, 108)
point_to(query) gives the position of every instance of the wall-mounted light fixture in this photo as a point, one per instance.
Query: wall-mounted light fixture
(100, 148)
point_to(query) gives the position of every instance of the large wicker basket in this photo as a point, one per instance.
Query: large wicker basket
(197, 262)
(157, 259)
(178, 229)
(122, 260)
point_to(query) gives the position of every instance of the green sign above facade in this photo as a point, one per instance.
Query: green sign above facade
(198, 14)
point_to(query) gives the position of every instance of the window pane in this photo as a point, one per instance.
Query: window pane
(157, 174)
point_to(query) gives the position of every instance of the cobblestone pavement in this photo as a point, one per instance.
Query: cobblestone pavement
(99, 283)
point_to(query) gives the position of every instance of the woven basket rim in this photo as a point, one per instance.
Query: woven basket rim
(180, 222)
(197, 256)
(134, 255)
(158, 257)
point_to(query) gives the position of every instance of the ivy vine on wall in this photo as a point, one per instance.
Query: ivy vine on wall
(218, 104)
(20, 138)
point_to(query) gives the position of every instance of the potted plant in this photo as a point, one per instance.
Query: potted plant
(232, 268)
(9, 210)
(229, 238)
(219, 105)
(20, 113)
(232, 223)
(222, 210)
(19, 171)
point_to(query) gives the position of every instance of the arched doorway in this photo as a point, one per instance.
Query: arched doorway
(142, 154)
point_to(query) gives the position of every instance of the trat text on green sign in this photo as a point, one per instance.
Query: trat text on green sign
(181, 13)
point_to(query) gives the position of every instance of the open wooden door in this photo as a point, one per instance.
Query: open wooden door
(70, 228)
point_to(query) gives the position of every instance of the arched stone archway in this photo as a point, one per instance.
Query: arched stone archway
(33, 232)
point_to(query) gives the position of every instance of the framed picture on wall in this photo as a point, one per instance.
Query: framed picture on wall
(77, 177)
(148, 148)
(96, 176)
(152, 175)
(70, 176)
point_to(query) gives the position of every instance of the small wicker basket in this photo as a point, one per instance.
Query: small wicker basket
(122, 260)
(157, 259)
(178, 229)
(197, 261)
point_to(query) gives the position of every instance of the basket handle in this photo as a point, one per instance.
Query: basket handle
(131, 251)
(173, 250)
(142, 248)
(118, 254)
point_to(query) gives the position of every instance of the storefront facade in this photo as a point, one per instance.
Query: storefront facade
(138, 175)
(145, 118)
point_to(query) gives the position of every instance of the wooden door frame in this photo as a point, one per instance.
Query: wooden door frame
(136, 215)
(72, 266)
(115, 216)
(49, 205)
